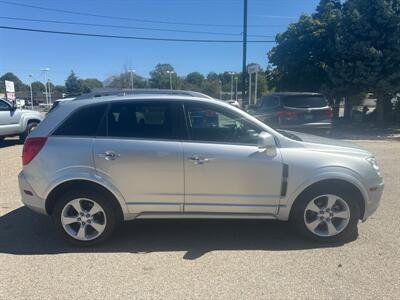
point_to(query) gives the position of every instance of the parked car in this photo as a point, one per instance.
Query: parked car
(294, 111)
(234, 103)
(93, 164)
(17, 122)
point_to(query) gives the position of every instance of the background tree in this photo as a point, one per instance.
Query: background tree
(89, 84)
(18, 84)
(73, 85)
(159, 78)
(38, 86)
(123, 81)
(369, 49)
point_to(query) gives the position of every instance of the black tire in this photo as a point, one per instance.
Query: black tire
(110, 210)
(31, 126)
(298, 218)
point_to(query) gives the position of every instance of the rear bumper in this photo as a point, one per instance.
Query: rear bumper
(316, 125)
(29, 197)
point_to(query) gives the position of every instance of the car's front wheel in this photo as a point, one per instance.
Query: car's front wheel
(84, 218)
(327, 216)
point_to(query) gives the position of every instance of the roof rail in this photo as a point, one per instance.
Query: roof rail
(127, 92)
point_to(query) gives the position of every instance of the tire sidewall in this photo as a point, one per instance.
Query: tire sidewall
(302, 202)
(108, 208)
(28, 129)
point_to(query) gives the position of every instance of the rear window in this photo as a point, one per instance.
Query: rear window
(304, 101)
(83, 122)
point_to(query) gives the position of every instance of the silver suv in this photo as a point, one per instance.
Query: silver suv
(17, 122)
(94, 163)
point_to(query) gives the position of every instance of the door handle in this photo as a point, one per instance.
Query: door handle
(109, 155)
(198, 160)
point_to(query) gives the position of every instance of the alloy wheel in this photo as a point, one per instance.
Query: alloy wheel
(327, 215)
(83, 219)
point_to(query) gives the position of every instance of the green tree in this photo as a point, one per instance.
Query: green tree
(73, 85)
(18, 84)
(60, 88)
(159, 78)
(369, 49)
(89, 84)
(123, 81)
(195, 79)
(37, 86)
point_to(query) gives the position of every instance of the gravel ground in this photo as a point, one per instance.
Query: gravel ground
(199, 259)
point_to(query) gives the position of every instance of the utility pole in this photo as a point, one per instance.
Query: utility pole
(49, 89)
(255, 92)
(220, 90)
(244, 52)
(236, 88)
(30, 84)
(231, 73)
(131, 71)
(250, 89)
(45, 70)
(170, 78)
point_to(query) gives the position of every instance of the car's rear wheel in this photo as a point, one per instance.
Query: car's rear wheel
(327, 216)
(84, 218)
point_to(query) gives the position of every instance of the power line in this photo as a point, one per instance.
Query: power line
(132, 37)
(129, 19)
(128, 27)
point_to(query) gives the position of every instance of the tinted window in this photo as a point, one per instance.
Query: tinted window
(83, 122)
(210, 123)
(4, 106)
(271, 101)
(140, 120)
(304, 101)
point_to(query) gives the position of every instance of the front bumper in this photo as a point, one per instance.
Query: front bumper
(374, 189)
(29, 197)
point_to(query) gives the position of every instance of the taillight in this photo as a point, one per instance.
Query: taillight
(286, 114)
(31, 148)
(329, 113)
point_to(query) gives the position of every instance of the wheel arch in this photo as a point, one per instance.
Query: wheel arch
(61, 188)
(339, 183)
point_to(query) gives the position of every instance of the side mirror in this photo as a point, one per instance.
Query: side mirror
(266, 142)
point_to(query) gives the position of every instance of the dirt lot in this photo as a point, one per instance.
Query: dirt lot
(199, 259)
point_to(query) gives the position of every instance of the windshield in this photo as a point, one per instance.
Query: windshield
(304, 101)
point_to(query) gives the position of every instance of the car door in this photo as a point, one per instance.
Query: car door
(141, 155)
(9, 119)
(225, 171)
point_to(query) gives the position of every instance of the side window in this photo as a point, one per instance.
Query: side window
(271, 101)
(152, 120)
(83, 122)
(4, 106)
(214, 124)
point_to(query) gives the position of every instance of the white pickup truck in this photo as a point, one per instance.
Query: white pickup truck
(17, 122)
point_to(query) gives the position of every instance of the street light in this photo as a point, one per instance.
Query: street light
(49, 89)
(231, 73)
(131, 71)
(170, 78)
(30, 85)
(45, 70)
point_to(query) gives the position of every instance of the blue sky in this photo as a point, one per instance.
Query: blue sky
(26, 53)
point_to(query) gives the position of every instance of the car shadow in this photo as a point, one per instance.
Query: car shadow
(23, 232)
(10, 142)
